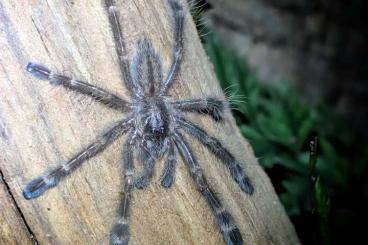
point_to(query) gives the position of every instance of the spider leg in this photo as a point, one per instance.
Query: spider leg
(210, 106)
(146, 67)
(178, 46)
(168, 173)
(120, 231)
(225, 222)
(215, 146)
(145, 175)
(95, 92)
(121, 50)
(50, 179)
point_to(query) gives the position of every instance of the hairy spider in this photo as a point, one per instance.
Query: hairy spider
(153, 124)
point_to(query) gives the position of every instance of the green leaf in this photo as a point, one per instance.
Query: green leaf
(322, 201)
(251, 133)
(305, 129)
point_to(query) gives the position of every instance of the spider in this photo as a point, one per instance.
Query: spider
(154, 125)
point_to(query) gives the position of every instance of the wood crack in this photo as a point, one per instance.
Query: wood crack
(19, 210)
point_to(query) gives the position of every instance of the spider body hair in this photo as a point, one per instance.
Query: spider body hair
(153, 124)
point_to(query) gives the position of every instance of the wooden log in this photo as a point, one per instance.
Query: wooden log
(12, 226)
(42, 126)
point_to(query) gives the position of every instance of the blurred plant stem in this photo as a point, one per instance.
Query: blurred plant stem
(319, 199)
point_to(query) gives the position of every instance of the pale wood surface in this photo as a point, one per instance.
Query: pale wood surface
(12, 227)
(41, 126)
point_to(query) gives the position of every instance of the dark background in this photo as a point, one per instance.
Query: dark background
(295, 72)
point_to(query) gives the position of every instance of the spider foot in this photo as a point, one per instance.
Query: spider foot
(167, 180)
(233, 237)
(38, 186)
(246, 186)
(230, 232)
(215, 109)
(38, 71)
(120, 234)
(242, 179)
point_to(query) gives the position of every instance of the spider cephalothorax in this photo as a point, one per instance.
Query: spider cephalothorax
(153, 123)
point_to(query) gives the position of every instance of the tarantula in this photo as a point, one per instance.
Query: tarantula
(153, 124)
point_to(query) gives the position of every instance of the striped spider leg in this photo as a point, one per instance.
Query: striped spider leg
(154, 125)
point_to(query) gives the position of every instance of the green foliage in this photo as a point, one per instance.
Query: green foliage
(279, 124)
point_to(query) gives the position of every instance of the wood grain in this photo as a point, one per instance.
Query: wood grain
(12, 226)
(42, 126)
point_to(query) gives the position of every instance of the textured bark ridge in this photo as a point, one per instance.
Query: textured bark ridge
(42, 126)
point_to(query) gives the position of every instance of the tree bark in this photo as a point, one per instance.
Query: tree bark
(12, 226)
(42, 126)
